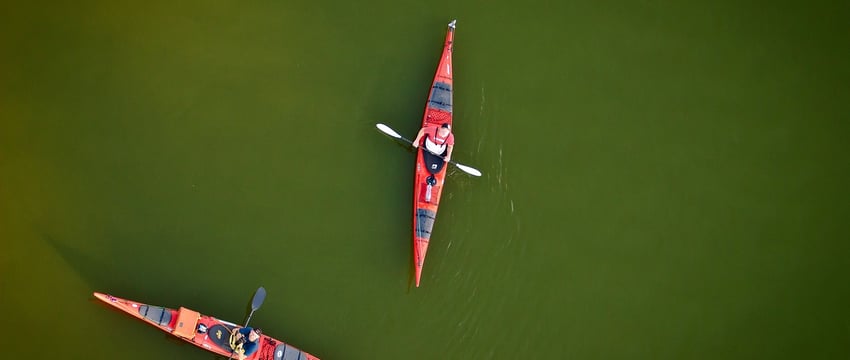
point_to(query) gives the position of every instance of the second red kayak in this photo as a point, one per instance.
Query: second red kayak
(203, 331)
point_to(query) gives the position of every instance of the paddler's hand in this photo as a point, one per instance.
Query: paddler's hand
(236, 340)
(415, 145)
(448, 158)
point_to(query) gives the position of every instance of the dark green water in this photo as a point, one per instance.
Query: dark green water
(663, 180)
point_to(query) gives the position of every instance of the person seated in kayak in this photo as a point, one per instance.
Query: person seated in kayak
(245, 341)
(439, 140)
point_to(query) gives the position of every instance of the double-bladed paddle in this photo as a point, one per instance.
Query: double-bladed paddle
(256, 302)
(389, 131)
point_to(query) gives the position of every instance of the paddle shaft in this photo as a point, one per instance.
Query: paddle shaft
(256, 302)
(249, 318)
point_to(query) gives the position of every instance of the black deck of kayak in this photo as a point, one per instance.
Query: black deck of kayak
(220, 335)
(434, 163)
(441, 97)
(157, 314)
(424, 223)
(286, 352)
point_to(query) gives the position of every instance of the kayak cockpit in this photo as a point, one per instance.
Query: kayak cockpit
(220, 336)
(434, 163)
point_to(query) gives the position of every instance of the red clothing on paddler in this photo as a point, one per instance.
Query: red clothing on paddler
(432, 134)
(435, 143)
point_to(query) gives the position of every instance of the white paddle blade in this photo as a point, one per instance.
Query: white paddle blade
(468, 170)
(387, 130)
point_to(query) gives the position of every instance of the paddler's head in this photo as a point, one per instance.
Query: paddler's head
(254, 335)
(445, 129)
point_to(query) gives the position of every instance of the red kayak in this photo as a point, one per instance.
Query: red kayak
(431, 169)
(203, 331)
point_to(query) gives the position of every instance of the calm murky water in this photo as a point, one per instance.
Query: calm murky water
(661, 181)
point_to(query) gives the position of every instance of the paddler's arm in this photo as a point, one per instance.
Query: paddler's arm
(237, 334)
(449, 152)
(419, 137)
(236, 340)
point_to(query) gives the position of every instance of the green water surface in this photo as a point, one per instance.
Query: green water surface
(662, 179)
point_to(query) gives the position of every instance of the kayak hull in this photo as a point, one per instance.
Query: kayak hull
(430, 172)
(203, 331)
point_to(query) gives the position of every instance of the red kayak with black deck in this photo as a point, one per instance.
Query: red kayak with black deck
(203, 331)
(430, 172)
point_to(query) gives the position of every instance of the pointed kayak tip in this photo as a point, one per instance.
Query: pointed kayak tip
(453, 23)
(105, 297)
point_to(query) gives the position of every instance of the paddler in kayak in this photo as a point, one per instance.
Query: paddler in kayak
(439, 140)
(245, 341)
